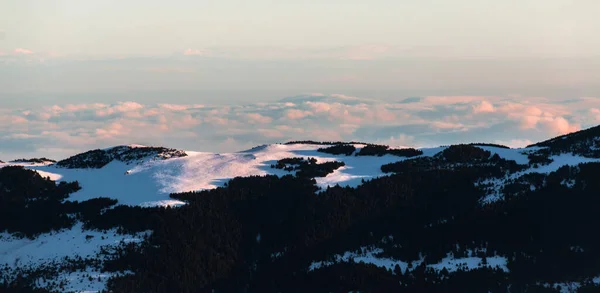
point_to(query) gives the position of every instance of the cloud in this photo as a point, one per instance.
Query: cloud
(187, 121)
(515, 143)
(258, 118)
(400, 141)
(319, 107)
(484, 107)
(560, 125)
(451, 100)
(422, 121)
(195, 52)
(112, 130)
(295, 114)
(444, 125)
(122, 107)
(174, 107)
(21, 51)
(595, 113)
(18, 120)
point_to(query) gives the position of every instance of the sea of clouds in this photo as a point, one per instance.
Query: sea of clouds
(62, 130)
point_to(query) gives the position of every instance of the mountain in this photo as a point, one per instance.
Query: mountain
(584, 142)
(306, 216)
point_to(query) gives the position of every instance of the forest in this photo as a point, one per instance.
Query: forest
(98, 158)
(265, 233)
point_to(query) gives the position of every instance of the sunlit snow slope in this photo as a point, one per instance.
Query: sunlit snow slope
(149, 182)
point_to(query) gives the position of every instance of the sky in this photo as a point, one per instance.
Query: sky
(238, 58)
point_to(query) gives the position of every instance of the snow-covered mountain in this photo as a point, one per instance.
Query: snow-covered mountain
(77, 257)
(146, 176)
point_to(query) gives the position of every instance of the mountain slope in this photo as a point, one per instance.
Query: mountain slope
(149, 182)
(585, 143)
(463, 218)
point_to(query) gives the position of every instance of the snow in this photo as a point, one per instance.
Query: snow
(565, 159)
(517, 155)
(88, 281)
(137, 188)
(430, 152)
(566, 287)
(450, 263)
(367, 256)
(151, 182)
(19, 253)
(570, 287)
(561, 160)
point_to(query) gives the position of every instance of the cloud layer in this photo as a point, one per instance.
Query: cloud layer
(62, 130)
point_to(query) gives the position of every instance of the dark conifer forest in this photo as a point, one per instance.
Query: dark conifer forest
(284, 234)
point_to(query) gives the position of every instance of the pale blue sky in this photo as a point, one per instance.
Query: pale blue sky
(437, 27)
(237, 50)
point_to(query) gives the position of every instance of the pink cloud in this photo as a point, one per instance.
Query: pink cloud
(215, 120)
(81, 107)
(297, 114)
(516, 143)
(484, 107)
(533, 111)
(596, 113)
(112, 130)
(381, 113)
(151, 112)
(319, 107)
(258, 118)
(21, 51)
(175, 107)
(529, 122)
(446, 125)
(122, 107)
(400, 141)
(560, 125)
(18, 120)
(187, 121)
(128, 106)
(336, 117)
(448, 100)
(22, 136)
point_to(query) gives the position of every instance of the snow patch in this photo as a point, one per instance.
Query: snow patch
(49, 248)
(450, 263)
